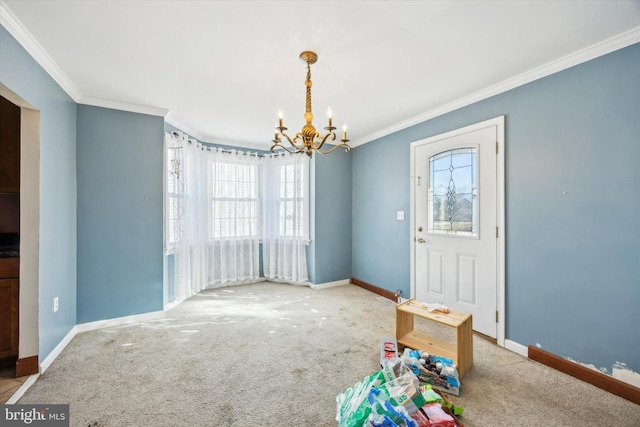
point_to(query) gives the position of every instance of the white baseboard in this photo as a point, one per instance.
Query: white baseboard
(100, 324)
(22, 390)
(91, 326)
(330, 284)
(172, 304)
(44, 365)
(516, 348)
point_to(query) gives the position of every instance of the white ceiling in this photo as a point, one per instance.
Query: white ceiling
(222, 69)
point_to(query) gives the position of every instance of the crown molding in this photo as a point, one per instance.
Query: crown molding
(124, 106)
(37, 52)
(214, 140)
(609, 45)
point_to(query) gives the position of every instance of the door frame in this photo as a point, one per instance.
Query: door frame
(28, 311)
(498, 122)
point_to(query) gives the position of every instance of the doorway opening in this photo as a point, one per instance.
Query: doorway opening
(29, 229)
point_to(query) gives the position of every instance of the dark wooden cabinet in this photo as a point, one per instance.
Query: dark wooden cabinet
(9, 289)
(9, 147)
(10, 220)
(9, 303)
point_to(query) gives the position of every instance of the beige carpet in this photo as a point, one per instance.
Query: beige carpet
(277, 355)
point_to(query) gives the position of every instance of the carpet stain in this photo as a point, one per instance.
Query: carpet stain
(227, 412)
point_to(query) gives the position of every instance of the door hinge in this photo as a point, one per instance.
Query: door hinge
(496, 316)
(496, 232)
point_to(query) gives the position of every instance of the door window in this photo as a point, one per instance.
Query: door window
(452, 201)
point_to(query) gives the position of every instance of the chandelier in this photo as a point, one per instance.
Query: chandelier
(309, 140)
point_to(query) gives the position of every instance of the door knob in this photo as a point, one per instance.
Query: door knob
(420, 240)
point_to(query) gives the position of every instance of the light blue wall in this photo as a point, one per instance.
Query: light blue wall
(380, 189)
(572, 202)
(329, 254)
(57, 245)
(120, 193)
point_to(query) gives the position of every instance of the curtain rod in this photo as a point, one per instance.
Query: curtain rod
(221, 149)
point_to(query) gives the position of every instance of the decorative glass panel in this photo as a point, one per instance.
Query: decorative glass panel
(453, 204)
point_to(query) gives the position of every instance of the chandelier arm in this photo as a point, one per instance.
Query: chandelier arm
(300, 137)
(291, 141)
(277, 144)
(295, 150)
(346, 146)
(324, 139)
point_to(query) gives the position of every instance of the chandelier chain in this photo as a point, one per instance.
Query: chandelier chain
(308, 84)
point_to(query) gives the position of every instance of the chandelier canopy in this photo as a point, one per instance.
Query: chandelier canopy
(309, 139)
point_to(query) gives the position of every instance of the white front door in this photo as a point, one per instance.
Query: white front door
(455, 222)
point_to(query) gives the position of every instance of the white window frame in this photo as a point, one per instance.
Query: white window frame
(171, 215)
(305, 201)
(256, 201)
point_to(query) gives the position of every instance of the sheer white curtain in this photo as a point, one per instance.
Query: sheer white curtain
(209, 231)
(182, 198)
(235, 217)
(196, 247)
(285, 216)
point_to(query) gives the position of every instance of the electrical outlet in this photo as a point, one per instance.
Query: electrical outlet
(400, 215)
(55, 304)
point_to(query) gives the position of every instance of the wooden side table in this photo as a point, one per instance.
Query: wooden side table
(461, 352)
